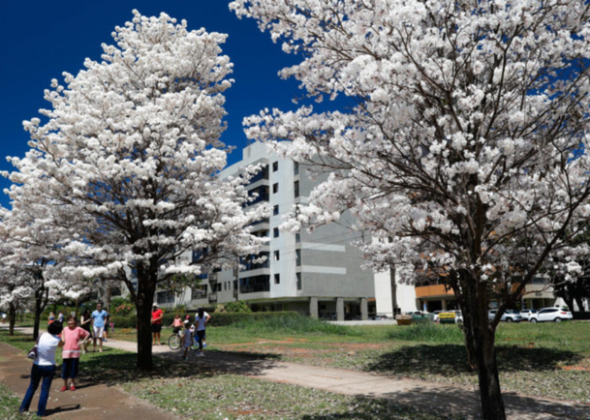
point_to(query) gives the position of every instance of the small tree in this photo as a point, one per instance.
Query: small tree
(465, 152)
(131, 151)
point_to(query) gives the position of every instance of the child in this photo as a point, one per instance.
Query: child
(71, 352)
(187, 339)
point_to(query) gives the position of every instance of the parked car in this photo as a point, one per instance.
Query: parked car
(551, 315)
(509, 316)
(450, 317)
(434, 316)
(527, 313)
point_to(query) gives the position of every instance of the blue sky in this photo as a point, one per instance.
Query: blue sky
(40, 40)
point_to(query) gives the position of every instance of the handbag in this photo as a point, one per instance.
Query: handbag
(33, 352)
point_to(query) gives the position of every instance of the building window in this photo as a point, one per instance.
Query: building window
(275, 188)
(295, 168)
(165, 297)
(296, 189)
(275, 166)
(199, 292)
(298, 281)
(275, 210)
(277, 278)
(277, 256)
(298, 237)
(298, 257)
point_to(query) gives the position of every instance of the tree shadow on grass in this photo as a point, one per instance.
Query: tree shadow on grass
(122, 367)
(451, 359)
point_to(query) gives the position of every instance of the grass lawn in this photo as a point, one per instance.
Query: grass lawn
(238, 397)
(208, 394)
(9, 404)
(546, 359)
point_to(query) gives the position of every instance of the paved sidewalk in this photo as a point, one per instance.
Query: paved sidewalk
(418, 394)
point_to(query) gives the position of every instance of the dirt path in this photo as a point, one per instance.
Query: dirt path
(90, 401)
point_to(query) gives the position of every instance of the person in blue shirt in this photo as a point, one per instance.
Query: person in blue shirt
(98, 323)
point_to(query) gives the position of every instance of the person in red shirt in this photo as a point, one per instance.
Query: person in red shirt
(157, 315)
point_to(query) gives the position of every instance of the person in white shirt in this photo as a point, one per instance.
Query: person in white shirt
(43, 367)
(201, 320)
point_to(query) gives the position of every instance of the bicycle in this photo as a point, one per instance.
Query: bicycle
(175, 341)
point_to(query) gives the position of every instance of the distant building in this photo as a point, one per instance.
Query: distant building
(315, 273)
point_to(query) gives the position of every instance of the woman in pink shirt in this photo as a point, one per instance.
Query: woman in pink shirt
(71, 351)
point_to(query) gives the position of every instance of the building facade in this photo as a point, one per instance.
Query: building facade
(318, 273)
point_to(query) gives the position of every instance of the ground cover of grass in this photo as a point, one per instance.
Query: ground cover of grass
(9, 404)
(238, 397)
(208, 394)
(545, 360)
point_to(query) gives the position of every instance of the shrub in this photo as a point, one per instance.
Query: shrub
(291, 322)
(237, 307)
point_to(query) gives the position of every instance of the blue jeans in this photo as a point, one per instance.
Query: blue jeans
(37, 373)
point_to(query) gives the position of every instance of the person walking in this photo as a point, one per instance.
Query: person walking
(85, 323)
(201, 320)
(71, 352)
(43, 368)
(60, 317)
(98, 320)
(51, 318)
(157, 315)
(187, 339)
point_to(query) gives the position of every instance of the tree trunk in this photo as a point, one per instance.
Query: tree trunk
(580, 303)
(480, 344)
(146, 286)
(38, 304)
(11, 318)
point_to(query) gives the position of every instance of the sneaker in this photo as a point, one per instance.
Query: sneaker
(72, 388)
(104, 340)
(200, 354)
(63, 389)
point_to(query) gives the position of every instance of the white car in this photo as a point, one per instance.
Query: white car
(551, 315)
(526, 314)
(508, 316)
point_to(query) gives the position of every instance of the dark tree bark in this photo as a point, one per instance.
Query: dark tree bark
(41, 296)
(11, 318)
(480, 342)
(144, 298)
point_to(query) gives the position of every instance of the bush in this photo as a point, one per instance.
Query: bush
(223, 319)
(240, 307)
(126, 321)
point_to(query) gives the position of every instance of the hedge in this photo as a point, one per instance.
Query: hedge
(217, 319)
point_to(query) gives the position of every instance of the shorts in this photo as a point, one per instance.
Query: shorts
(156, 328)
(70, 368)
(98, 331)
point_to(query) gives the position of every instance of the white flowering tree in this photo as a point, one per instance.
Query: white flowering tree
(465, 149)
(29, 258)
(130, 151)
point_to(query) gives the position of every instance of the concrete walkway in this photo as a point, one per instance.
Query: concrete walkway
(414, 393)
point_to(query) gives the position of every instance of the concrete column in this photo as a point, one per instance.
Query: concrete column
(364, 309)
(444, 305)
(340, 309)
(313, 307)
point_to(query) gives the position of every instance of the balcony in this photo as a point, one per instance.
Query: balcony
(432, 291)
(255, 284)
